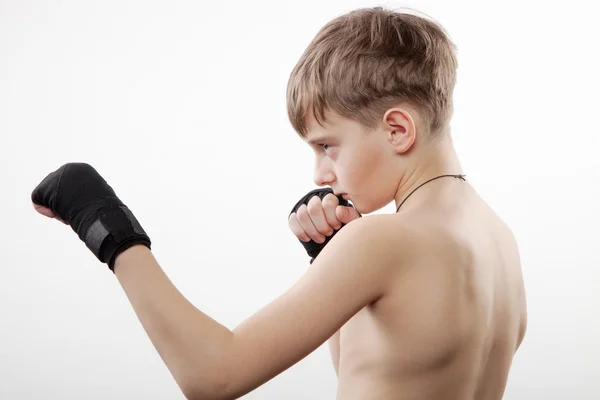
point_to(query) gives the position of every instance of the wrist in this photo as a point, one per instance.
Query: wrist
(112, 250)
(131, 253)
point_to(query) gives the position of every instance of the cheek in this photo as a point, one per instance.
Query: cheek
(354, 170)
(370, 172)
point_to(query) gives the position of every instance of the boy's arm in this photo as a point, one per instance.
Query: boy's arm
(208, 361)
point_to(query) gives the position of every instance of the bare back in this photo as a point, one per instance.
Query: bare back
(451, 321)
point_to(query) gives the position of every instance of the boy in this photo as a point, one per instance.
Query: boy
(426, 303)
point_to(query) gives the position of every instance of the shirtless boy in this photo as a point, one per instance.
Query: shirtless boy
(425, 303)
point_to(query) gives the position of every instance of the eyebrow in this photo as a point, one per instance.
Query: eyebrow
(318, 139)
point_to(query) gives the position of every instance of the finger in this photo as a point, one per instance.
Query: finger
(330, 202)
(45, 211)
(317, 215)
(346, 214)
(307, 224)
(297, 229)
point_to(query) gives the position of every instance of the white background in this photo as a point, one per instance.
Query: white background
(180, 105)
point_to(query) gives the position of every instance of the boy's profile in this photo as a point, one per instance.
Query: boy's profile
(372, 94)
(424, 303)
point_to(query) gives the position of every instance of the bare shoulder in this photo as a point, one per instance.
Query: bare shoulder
(372, 234)
(380, 233)
(371, 245)
(390, 241)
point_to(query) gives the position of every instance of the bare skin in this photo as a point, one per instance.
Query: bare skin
(455, 315)
(449, 327)
(428, 303)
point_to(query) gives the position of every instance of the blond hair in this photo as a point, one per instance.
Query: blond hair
(364, 62)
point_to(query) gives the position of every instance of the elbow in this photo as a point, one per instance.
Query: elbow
(214, 388)
(208, 377)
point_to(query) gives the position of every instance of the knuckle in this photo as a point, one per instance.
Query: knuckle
(327, 230)
(314, 199)
(335, 224)
(303, 236)
(299, 232)
(331, 199)
(302, 212)
(330, 206)
(314, 205)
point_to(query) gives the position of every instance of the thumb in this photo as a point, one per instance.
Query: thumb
(346, 214)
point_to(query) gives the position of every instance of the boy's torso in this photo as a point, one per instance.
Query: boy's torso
(451, 321)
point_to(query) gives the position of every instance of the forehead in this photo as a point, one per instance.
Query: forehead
(331, 127)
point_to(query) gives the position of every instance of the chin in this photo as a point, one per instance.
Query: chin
(365, 209)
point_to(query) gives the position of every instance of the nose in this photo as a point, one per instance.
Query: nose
(323, 175)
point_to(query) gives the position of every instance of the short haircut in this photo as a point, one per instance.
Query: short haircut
(364, 62)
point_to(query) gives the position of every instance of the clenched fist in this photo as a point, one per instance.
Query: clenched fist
(317, 217)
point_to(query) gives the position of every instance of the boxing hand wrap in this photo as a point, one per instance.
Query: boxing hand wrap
(313, 248)
(83, 199)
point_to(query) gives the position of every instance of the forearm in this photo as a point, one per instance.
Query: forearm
(192, 345)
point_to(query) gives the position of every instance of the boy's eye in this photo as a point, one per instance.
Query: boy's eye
(325, 146)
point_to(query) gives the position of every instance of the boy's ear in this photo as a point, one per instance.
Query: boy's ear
(400, 129)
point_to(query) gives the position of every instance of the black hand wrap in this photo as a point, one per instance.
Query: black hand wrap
(83, 199)
(313, 248)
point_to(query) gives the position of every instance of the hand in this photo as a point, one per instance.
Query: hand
(317, 217)
(78, 196)
(47, 212)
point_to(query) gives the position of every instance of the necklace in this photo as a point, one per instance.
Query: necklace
(462, 177)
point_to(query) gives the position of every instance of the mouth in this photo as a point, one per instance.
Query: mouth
(341, 194)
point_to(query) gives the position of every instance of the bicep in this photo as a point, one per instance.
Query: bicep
(347, 276)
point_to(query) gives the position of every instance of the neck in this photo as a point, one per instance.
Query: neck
(434, 159)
